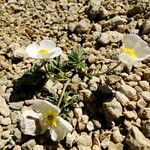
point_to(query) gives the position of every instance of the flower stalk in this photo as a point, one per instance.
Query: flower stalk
(62, 94)
(111, 69)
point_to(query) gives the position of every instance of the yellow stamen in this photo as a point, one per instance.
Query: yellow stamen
(130, 52)
(43, 51)
(50, 118)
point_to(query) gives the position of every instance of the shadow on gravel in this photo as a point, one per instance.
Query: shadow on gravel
(95, 107)
(28, 85)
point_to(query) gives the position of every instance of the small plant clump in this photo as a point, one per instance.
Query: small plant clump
(77, 59)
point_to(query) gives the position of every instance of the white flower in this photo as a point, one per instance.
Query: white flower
(51, 120)
(45, 49)
(134, 50)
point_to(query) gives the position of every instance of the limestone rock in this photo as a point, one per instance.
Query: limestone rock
(129, 91)
(83, 26)
(16, 105)
(93, 8)
(144, 113)
(145, 128)
(146, 27)
(4, 109)
(136, 140)
(122, 98)
(38, 147)
(144, 85)
(29, 123)
(112, 110)
(130, 115)
(90, 126)
(146, 96)
(84, 140)
(110, 37)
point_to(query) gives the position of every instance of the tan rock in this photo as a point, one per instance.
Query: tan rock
(136, 140)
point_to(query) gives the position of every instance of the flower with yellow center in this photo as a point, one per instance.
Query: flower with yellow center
(51, 120)
(45, 49)
(134, 50)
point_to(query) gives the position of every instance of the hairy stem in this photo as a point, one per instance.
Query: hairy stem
(119, 63)
(62, 94)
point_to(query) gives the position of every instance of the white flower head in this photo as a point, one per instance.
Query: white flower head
(134, 50)
(45, 49)
(51, 120)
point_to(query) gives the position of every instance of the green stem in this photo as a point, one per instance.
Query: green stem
(62, 94)
(45, 67)
(111, 68)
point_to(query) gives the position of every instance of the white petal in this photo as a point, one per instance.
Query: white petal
(41, 106)
(52, 53)
(55, 52)
(32, 50)
(126, 59)
(134, 42)
(130, 41)
(47, 44)
(58, 133)
(66, 124)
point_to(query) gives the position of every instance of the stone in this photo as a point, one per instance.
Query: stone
(4, 109)
(17, 147)
(97, 27)
(115, 22)
(146, 96)
(122, 98)
(134, 77)
(17, 135)
(92, 58)
(144, 113)
(117, 136)
(19, 52)
(110, 37)
(136, 140)
(78, 112)
(145, 128)
(29, 123)
(112, 110)
(96, 147)
(144, 85)
(137, 9)
(84, 119)
(90, 126)
(93, 8)
(130, 115)
(3, 143)
(70, 138)
(84, 140)
(103, 13)
(129, 91)
(141, 103)
(97, 123)
(16, 105)
(113, 146)
(112, 79)
(81, 126)
(146, 27)
(29, 144)
(132, 105)
(15, 115)
(6, 134)
(94, 80)
(5, 121)
(49, 85)
(83, 26)
(38, 147)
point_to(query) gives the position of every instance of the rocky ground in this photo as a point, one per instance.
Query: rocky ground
(117, 118)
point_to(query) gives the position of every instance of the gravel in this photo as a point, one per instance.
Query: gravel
(102, 119)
